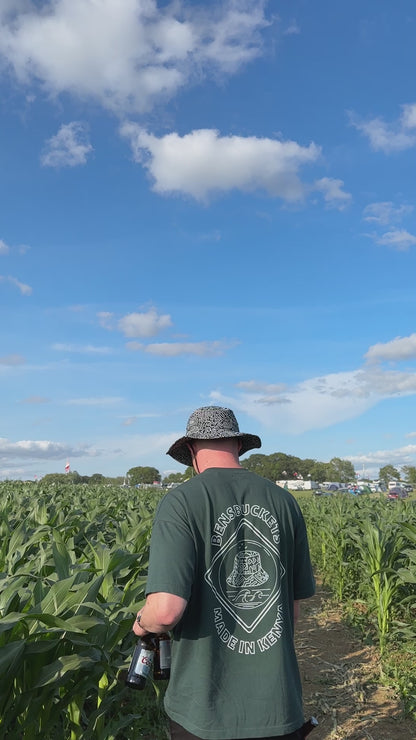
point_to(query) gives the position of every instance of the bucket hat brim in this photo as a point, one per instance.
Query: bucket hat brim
(180, 450)
(211, 422)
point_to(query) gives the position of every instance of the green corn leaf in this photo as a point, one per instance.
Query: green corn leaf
(61, 557)
(80, 623)
(42, 646)
(57, 671)
(407, 575)
(10, 621)
(57, 596)
(9, 654)
(122, 558)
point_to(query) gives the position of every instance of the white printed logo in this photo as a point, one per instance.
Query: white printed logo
(245, 575)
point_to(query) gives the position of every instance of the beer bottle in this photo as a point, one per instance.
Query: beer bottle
(142, 662)
(161, 665)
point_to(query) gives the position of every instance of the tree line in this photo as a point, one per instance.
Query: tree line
(277, 466)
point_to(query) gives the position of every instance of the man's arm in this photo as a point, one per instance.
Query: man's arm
(296, 610)
(160, 613)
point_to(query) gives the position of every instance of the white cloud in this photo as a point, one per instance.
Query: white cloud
(35, 400)
(68, 148)
(141, 447)
(175, 349)
(332, 191)
(12, 360)
(203, 162)
(143, 324)
(209, 236)
(106, 320)
(100, 401)
(272, 400)
(129, 421)
(136, 324)
(384, 138)
(409, 115)
(254, 386)
(41, 450)
(87, 349)
(311, 404)
(400, 239)
(385, 212)
(4, 248)
(292, 29)
(400, 348)
(394, 137)
(127, 55)
(321, 402)
(24, 289)
(135, 346)
(386, 383)
(396, 457)
(411, 434)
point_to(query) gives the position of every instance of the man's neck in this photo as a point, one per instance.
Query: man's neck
(215, 459)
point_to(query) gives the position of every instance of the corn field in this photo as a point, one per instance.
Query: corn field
(73, 565)
(364, 549)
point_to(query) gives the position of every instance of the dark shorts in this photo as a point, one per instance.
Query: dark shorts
(178, 733)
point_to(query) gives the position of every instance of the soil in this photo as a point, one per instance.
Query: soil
(341, 680)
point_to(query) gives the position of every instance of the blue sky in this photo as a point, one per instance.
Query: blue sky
(206, 203)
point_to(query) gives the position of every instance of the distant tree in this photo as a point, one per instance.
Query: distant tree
(409, 473)
(388, 472)
(96, 478)
(279, 466)
(305, 466)
(144, 475)
(341, 470)
(262, 465)
(174, 478)
(56, 478)
(117, 481)
(320, 471)
(284, 466)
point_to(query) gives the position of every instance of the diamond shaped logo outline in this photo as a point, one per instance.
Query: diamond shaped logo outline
(267, 545)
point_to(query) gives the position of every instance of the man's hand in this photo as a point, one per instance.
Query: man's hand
(160, 613)
(137, 628)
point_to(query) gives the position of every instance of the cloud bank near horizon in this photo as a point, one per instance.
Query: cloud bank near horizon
(320, 402)
(313, 403)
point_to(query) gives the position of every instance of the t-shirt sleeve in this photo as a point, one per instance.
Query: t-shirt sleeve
(303, 578)
(172, 558)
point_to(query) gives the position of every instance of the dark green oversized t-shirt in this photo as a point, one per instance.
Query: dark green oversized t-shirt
(234, 545)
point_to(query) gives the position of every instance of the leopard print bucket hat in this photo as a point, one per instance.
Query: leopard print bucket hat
(211, 422)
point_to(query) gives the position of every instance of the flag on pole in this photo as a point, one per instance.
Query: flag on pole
(67, 467)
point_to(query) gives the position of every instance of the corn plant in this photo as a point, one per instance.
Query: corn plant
(407, 576)
(73, 565)
(330, 524)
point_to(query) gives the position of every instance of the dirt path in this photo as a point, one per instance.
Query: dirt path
(339, 677)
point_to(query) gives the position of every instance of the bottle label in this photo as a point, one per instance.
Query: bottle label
(164, 648)
(144, 663)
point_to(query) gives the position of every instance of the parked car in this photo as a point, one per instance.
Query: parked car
(322, 492)
(396, 493)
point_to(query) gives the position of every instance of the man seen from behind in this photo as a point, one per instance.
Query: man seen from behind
(229, 564)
